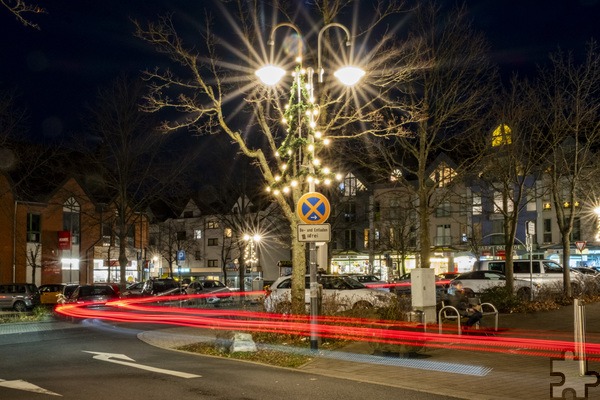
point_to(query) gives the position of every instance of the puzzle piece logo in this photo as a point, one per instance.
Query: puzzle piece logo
(571, 381)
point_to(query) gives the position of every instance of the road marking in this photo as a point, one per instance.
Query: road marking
(116, 358)
(20, 384)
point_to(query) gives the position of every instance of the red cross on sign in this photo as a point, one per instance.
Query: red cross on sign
(313, 208)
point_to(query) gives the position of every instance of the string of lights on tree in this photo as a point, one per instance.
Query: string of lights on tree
(301, 112)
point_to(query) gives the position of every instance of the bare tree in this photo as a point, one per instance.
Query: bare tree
(129, 162)
(511, 163)
(442, 100)
(566, 104)
(200, 86)
(22, 11)
(34, 259)
(171, 237)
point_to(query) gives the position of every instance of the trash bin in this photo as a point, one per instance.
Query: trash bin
(258, 283)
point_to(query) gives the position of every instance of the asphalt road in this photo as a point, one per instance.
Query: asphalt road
(98, 361)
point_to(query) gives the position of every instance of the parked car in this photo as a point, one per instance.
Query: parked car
(96, 293)
(209, 286)
(19, 296)
(52, 293)
(586, 271)
(155, 286)
(371, 281)
(475, 282)
(345, 291)
(133, 290)
(542, 272)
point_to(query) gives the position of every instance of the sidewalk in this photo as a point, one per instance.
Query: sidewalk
(464, 374)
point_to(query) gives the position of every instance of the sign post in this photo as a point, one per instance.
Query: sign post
(529, 238)
(313, 209)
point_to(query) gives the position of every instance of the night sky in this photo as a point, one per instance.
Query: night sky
(84, 44)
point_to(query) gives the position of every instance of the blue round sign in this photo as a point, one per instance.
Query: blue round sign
(313, 208)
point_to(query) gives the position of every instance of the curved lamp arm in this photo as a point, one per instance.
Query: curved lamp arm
(323, 29)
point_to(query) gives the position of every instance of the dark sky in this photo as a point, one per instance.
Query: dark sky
(87, 43)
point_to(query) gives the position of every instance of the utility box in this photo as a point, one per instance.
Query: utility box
(258, 283)
(423, 292)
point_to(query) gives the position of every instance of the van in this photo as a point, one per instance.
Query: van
(19, 296)
(542, 272)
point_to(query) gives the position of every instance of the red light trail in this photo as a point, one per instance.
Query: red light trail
(355, 329)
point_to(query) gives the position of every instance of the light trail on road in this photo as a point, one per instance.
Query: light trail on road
(142, 310)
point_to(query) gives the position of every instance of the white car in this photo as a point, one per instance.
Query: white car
(346, 292)
(475, 282)
(371, 281)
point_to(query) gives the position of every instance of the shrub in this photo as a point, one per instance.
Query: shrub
(504, 300)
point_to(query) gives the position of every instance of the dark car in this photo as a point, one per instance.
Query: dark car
(133, 290)
(97, 293)
(155, 286)
(209, 286)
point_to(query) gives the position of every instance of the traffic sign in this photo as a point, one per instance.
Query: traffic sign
(181, 255)
(313, 208)
(580, 246)
(314, 233)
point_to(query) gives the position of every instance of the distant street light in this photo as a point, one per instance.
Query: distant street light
(251, 255)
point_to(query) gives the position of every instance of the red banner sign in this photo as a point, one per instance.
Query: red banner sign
(64, 240)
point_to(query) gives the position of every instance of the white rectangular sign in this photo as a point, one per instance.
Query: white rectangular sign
(314, 232)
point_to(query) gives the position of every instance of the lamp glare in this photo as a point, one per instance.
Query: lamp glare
(270, 74)
(349, 76)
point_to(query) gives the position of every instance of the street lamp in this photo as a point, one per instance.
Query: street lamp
(270, 75)
(251, 254)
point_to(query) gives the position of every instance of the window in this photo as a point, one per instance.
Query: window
(443, 175)
(350, 212)
(198, 255)
(394, 209)
(443, 209)
(33, 228)
(188, 214)
(350, 186)
(531, 203)
(501, 136)
(107, 234)
(477, 208)
(499, 203)
(212, 225)
(547, 230)
(213, 242)
(71, 211)
(350, 239)
(212, 263)
(497, 237)
(197, 234)
(228, 233)
(443, 237)
(181, 235)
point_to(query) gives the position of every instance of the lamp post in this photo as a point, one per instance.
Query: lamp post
(251, 249)
(270, 75)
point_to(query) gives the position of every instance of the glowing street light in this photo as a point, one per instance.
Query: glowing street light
(270, 74)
